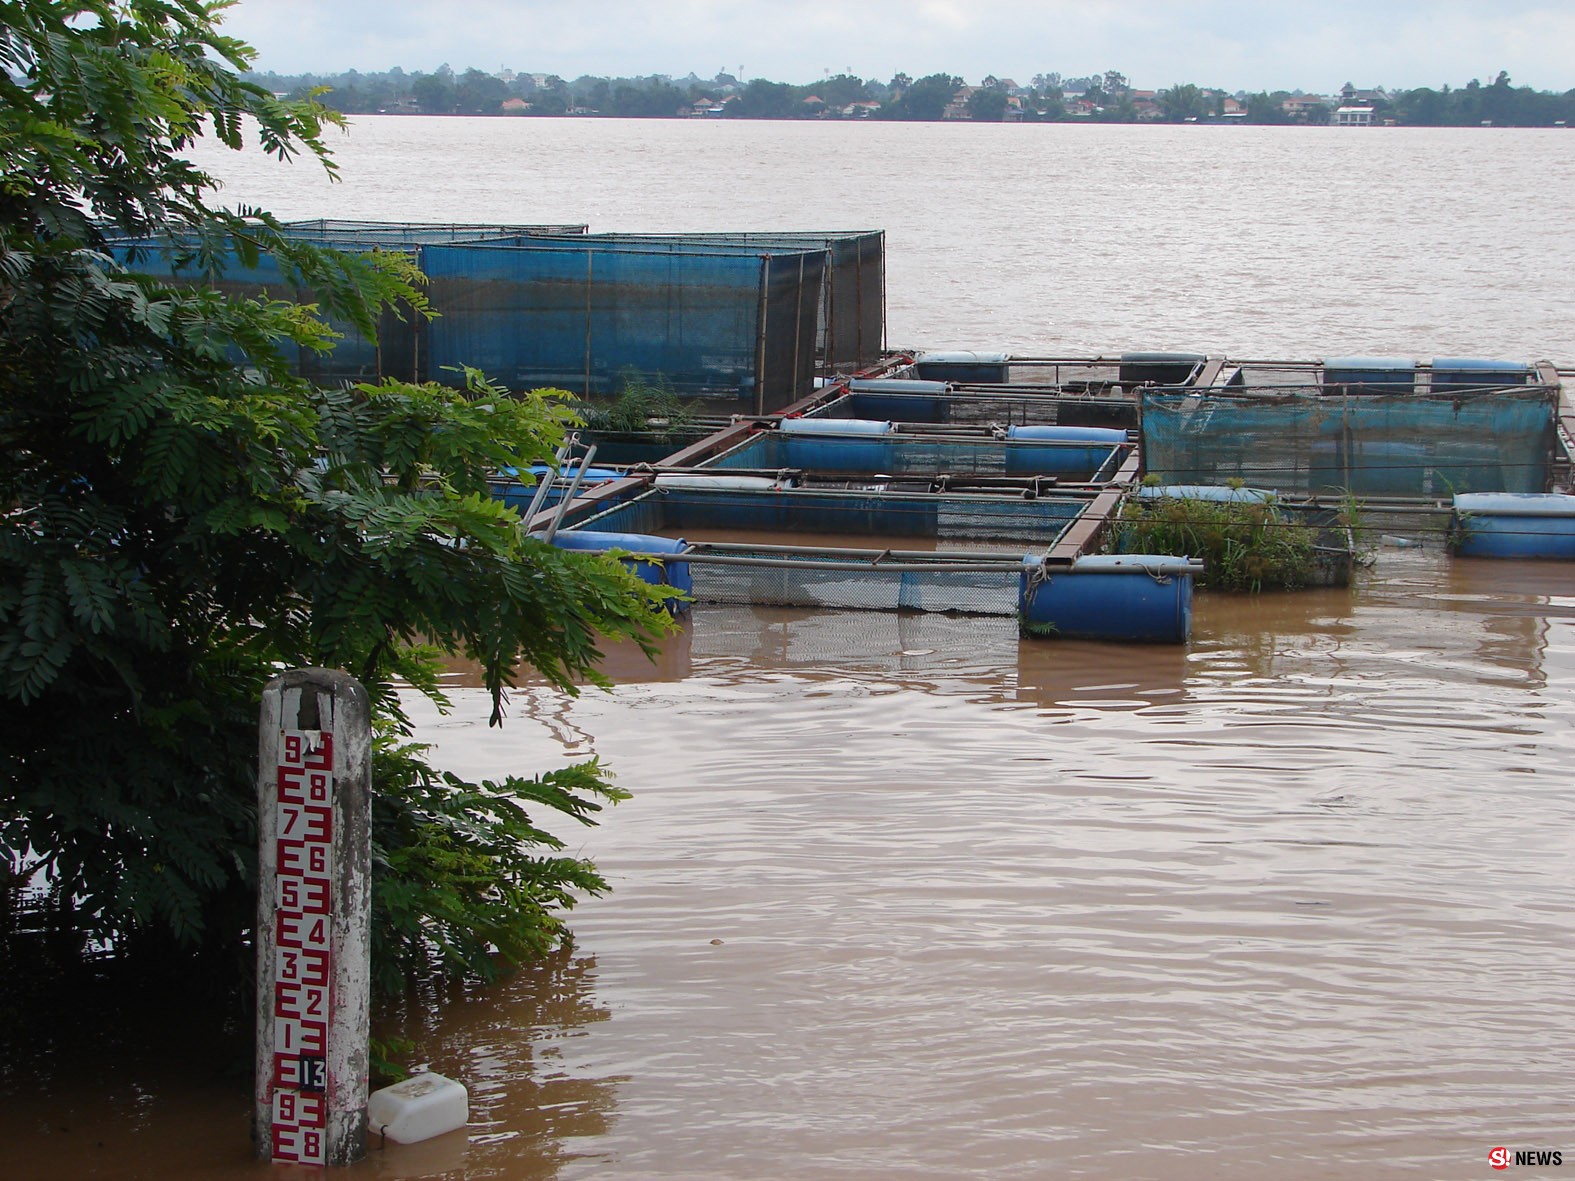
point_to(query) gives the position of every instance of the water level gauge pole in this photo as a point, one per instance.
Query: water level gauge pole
(314, 907)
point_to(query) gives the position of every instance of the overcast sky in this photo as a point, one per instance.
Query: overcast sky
(1312, 45)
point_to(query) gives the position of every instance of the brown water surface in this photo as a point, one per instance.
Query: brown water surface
(907, 896)
(901, 895)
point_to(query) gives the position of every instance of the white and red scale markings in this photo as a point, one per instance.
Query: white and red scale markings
(303, 956)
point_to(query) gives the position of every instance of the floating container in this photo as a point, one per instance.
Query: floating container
(657, 573)
(905, 400)
(1216, 493)
(723, 483)
(1158, 368)
(973, 368)
(837, 444)
(1117, 413)
(512, 491)
(423, 1106)
(1465, 373)
(1369, 375)
(1513, 525)
(1061, 450)
(1144, 598)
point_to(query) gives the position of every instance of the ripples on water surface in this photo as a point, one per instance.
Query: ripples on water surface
(1255, 241)
(1290, 901)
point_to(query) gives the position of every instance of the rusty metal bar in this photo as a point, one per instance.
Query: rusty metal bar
(1093, 520)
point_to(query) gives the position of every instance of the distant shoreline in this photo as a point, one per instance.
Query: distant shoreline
(937, 98)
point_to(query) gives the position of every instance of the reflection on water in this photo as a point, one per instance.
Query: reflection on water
(527, 1108)
(907, 895)
(910, 896)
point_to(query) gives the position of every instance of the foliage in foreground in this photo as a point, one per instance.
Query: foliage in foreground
(181, 517)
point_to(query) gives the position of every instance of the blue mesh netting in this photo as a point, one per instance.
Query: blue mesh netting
(1371, 445)
(734, 323)
(851, 329)
(873, 515)
(917, 455)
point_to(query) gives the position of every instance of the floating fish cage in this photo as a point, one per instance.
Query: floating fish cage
(851, 325)
(1505, 525)
(399, 351)
(1306, 443)
(733, 326)
(744, 322)
(848, 447)
(734, 539)
(1003, 389)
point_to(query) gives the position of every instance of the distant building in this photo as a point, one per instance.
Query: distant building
(1353, 116)
(1300, 106)
(1233, 109)
(958, 107)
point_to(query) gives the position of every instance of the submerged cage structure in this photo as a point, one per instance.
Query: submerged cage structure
(867, 549)
(729, 541)
(868, 448)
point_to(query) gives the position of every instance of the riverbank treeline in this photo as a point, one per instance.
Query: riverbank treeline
(1103, 98)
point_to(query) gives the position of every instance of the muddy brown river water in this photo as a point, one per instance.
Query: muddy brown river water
(907, 896)
(902, 895)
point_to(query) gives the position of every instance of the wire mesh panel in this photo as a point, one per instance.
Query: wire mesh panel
(851, 328)
(926, 456)
(365, 235)
(737, 325)
(806, 583)
(353, 358)
(876, 516)
(1370, 445)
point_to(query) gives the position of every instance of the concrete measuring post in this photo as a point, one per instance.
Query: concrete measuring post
(314, 907)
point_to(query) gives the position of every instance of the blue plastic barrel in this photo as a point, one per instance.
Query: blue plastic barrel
(1143, 598)
(1158, 368)
(513, 492)
(664, 573)
(858, 445)
(1369, 375)
(904, 400)
(979, 368)
(1513, 525)
(1464, 373)
(1077, 451)
(1214, 493)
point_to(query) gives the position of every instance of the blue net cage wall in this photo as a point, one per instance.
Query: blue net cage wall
(851, 328)
(1409, 445)
(398, 352)
(896, 454)
(853, 549)
(733, 324)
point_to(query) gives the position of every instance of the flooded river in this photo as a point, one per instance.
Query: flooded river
(908, 896)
